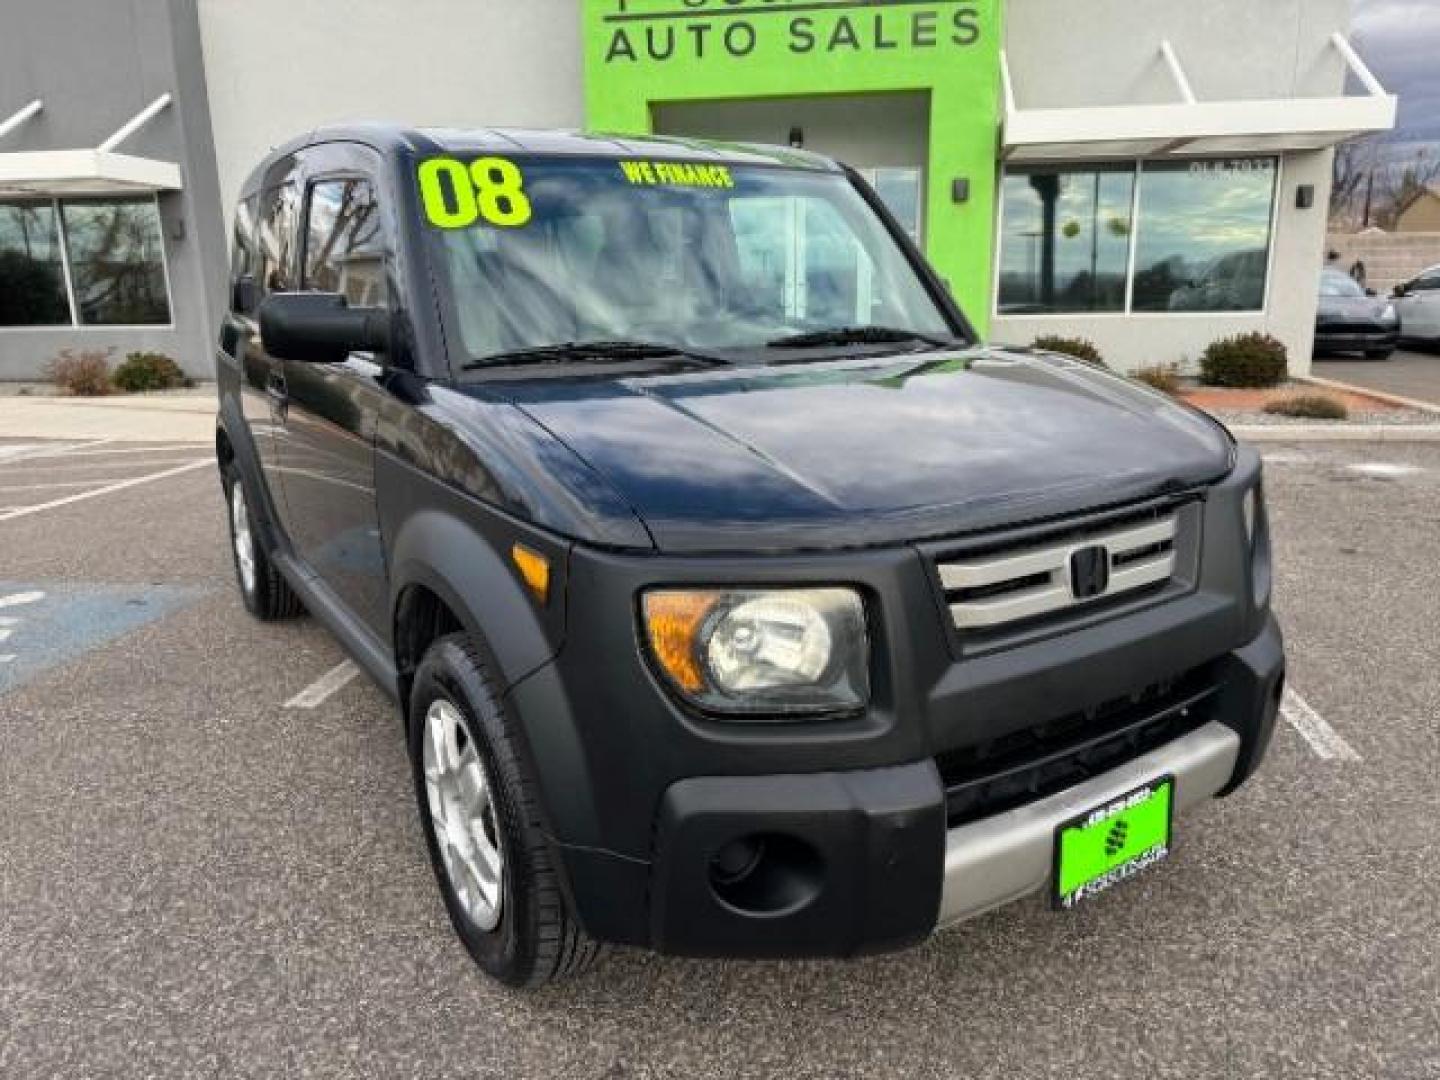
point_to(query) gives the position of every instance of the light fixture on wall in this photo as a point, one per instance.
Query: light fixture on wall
(797, 137)
(960, 189)
(1304, 196)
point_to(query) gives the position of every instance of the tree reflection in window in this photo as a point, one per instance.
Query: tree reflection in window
(116, 261)
(32, 274)
(344, 246)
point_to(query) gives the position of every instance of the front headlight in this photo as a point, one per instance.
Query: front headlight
(1389, 315)
(757, 652)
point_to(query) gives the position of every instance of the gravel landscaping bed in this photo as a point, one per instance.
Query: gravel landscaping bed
(1389, 417)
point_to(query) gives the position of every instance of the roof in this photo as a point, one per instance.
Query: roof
(398, 138)
(1190, 126)
(85, 171)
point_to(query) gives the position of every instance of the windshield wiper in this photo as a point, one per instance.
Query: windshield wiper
(565, 351)
(853, 335)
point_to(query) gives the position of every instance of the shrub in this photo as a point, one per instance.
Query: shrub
(1309, 407)
(148, 371)
(85, 373)
(1076, 347)
(1255, 360)
(1163, 377)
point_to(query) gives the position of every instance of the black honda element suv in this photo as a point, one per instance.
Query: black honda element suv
(738, 601)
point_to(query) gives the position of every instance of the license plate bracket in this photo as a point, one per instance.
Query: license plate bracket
(1112, 842)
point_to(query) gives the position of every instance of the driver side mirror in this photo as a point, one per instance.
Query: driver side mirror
(321, 328)
(1401, 290)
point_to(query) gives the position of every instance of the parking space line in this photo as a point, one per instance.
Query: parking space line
(1323, 739)
(52, 484)
(322, 688)
(149, 478)
(159, 449)
(32, 451)
(91, 466)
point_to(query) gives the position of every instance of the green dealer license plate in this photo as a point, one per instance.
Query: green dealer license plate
(1113, 842)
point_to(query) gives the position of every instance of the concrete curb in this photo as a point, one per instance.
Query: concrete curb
(1377, 395)
(1308, 433)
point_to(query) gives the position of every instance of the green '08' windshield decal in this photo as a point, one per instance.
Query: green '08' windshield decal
(489, 189)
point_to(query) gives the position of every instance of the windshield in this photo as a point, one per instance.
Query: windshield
(1334, 283)
(543, 251)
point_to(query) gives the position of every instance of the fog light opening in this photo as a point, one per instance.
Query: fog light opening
(766, 874)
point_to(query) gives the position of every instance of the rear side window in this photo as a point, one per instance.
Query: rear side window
(345, 242)
(279, 217)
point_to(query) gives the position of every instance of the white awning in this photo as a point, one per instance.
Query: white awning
(1189, 126)
(100, 171)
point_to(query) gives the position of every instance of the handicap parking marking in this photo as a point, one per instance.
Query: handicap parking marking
(9, 622)
(34, 596)
(46, 624)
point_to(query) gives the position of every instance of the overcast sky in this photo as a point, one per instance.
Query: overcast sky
(1400, 40)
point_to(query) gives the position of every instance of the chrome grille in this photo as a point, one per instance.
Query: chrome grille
(997, 588)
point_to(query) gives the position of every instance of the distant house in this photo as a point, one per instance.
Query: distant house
(1420, 212)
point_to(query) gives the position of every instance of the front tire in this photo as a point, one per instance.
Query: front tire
(266, 593)
(480, 810)
(1379, 354)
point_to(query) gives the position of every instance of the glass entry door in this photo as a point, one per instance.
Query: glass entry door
(902, 190)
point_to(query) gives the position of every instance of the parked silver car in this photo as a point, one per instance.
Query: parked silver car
(1418, 303)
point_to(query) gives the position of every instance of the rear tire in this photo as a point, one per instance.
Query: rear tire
(522, 933)
(266, 593)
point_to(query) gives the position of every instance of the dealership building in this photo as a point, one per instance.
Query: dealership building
(1149, 176)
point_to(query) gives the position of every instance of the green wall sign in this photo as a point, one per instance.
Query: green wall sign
(643, 53)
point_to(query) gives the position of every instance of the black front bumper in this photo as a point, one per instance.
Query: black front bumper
(695, 836)
(1356, 339)
(856, 860)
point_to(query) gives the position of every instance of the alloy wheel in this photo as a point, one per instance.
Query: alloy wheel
(463, 815)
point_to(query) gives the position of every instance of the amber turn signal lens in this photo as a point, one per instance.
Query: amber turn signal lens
(534, 569)
(673, 621)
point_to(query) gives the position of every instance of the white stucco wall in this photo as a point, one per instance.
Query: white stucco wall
(278, 68)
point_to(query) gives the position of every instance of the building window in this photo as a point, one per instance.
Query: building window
(32, 270)
(1204, 239)
(1197, 239)
(344, 242)
(117, 265)
(107, 255)
(1066, 243)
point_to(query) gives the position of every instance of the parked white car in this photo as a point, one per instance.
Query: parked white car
(1418, 303)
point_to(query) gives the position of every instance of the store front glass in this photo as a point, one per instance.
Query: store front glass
(1169, 236)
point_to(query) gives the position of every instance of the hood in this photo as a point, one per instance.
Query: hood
(1352, 309)
(859, 452)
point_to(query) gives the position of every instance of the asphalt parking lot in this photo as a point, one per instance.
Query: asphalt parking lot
(210, 863)
(1409, 373)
